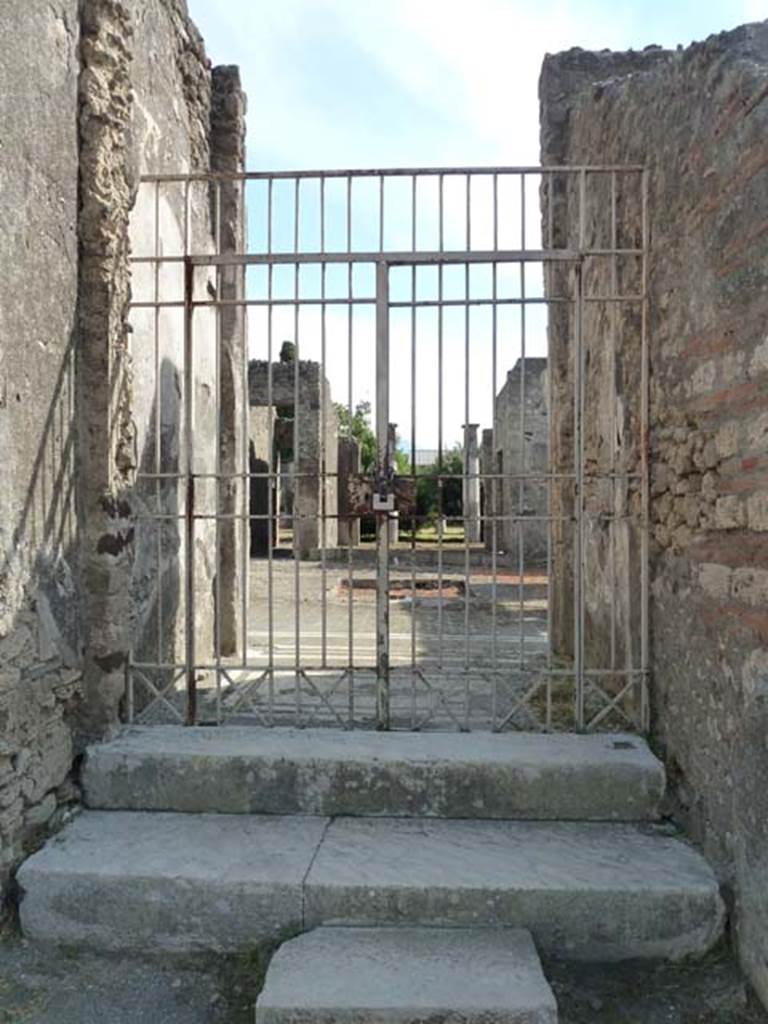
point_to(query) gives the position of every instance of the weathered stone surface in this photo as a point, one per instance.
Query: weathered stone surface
(585, 891)
(491, 976)
(521, 426)
(322, 771)
(227, 142)
(698, 119)
(317, 426)
(176, 882)
(40, 622)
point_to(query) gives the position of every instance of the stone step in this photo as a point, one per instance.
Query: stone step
(322, 771)
(142, 881)
(404, 975)
(585, 890)
(116, 880)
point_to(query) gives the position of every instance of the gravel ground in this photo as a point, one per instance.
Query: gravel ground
(69, 987)
(707, 991)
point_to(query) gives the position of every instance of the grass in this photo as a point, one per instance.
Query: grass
(428, 534)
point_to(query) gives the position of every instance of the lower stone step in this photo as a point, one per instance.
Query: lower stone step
(599, 777)
(408, 976)
(118, 880)
(585, 890)
(182, 883)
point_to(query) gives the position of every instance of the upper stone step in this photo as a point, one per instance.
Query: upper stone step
(407, 975)
(597, 777)
(121, 880)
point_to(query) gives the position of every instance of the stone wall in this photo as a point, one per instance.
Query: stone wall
(698, 118)
(40, 612)
(169, 118)
(171, 134)
(349, 465)
(315, 506)
(521, 437)
(92, 94)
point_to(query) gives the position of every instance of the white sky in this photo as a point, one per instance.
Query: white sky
(403, 83)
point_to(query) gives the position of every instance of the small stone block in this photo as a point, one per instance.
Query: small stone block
(407, 975)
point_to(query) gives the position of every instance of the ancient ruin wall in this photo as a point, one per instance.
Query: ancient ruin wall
(40, 621)
(106, 90)
(145, 108)
(316, 502)
(698, 119)
(521, 448)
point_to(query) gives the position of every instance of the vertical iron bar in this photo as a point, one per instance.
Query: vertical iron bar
(523, 469)
(468, 483)
(578, 581)
(297, 477)
(245, 419)
(218, 489)
(323, 452)
(492, 484)
(578, 435)
(440, 505)
(159, 522)
(414, 520)
(612, 522)
(189, 507)
(240, 244)
(382, 518)
(644, 468)
(350, 411)
(274, 513)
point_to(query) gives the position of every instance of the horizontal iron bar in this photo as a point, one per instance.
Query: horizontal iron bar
(406, 517)
(533, 476)
(407, 258)
(394, 259)
(398, 172)
(225, 667)
(355, 301)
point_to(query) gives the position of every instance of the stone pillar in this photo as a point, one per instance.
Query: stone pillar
(349, 464)
(393, 520)
(487, 489)
(470, 491)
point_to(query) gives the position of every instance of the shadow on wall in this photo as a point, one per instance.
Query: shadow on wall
(40, 557)
(40, 620)
(157, 576)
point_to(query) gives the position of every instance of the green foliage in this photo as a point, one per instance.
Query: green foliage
(428, 487)
(402, 462)
(358, 425)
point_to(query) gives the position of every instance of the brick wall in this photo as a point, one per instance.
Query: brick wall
(698, 119)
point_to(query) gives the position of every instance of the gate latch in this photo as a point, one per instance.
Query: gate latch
(383, 502)
(383, 495)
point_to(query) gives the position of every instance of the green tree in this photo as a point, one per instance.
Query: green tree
(429, 484)
(402, 462)
(358, 425)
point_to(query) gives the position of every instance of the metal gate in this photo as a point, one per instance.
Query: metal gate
(393, 466)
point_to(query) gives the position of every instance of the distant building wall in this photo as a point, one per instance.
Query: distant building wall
(315, 485)
(515, 509)
(349, 464)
